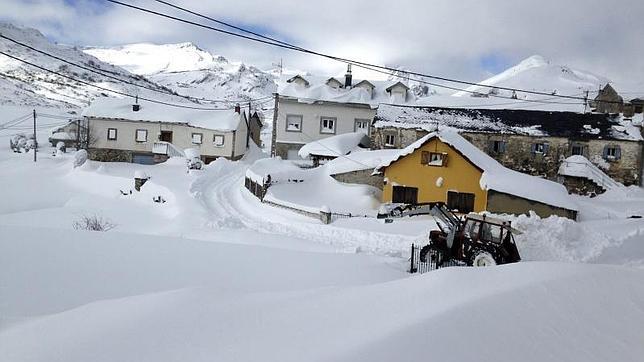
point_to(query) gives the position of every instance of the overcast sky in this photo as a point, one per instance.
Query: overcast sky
(468, 39)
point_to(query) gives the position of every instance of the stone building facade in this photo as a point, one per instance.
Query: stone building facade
(538, 154)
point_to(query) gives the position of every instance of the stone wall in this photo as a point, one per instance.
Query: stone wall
(361, 177)
(581, 186)
(518, 154)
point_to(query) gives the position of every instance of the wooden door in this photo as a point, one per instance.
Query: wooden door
(461, 201)
(166, 136)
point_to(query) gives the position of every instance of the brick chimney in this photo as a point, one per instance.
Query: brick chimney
(348, 77)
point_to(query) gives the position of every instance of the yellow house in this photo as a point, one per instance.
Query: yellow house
(444, 167)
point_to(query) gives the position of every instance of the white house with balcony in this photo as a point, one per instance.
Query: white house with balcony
(312, 108)
(145, 132)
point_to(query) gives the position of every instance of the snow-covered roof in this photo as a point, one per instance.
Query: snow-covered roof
(495, 176)
(277, 168)
(120, 108)
(512, 121)
(335, 146)
(317, 89)
(359, 160)
(580, 166)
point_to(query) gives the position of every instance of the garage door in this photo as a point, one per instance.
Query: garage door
(143, 159)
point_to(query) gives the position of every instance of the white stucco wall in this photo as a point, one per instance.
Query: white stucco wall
(312, 113)
(181, 137)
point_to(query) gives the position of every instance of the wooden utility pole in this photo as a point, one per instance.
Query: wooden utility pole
(35, 139)
(248, 125)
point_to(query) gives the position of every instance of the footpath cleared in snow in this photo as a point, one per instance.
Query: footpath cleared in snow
(202, 301)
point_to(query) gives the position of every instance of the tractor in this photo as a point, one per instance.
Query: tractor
(473, 240)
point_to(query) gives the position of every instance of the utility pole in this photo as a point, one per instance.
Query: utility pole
(274, 135)
(585, 101)
(35, 139)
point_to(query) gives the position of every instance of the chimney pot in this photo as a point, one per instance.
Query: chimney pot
(136, 107)
(237, 108)
(348, 77)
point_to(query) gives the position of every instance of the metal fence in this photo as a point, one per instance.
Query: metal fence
(416, 265)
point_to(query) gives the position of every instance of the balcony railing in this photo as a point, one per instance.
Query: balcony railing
(166, 148)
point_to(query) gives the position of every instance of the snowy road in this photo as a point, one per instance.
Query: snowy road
(221, 191)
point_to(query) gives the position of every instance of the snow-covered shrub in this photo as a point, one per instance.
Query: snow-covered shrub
(60, 146)
(93, 223)
(79, 158)
(22, 142)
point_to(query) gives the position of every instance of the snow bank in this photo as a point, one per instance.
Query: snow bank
(495, 176)
(335, 146)
(190, 302)
(580, 166)
(117, 108)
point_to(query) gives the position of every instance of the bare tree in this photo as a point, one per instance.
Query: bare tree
(93, 223)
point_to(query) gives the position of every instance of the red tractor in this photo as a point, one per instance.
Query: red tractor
(474, 240)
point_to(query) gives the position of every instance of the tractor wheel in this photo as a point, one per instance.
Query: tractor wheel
(482, 258)
(430, 254)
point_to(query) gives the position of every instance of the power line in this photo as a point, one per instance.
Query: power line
(278, 43)
(111, 90)
(105, 73)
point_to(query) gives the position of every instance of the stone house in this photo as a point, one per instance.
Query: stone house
(312, 108)
(532, 142)
(608, 101)
(443, 166)
(120, 130)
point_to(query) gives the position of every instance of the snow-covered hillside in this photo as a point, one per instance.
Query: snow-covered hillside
(187, 69)
(25, 85)
(538, 74)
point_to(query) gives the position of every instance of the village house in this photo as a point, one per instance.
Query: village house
(443, 166)
(312, 108)
(120, 130)
(532, 142)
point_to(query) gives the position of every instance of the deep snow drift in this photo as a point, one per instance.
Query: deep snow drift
(203, 301)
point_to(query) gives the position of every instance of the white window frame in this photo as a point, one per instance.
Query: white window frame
(393, 140)
(200, 138)
(297, 118)
(220, 136)
(614, 152)
(109, 132)
(362, 120)
(139, 132)
(333, 121)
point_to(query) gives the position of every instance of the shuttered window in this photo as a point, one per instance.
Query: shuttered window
(405, 195)
(461, 201)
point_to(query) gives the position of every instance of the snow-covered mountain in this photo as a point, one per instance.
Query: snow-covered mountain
(189, 70)
(538, 74)
(24, 85)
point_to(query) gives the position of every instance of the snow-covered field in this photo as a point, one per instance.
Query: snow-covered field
(214, 274)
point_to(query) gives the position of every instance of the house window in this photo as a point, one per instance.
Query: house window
(612, 153)
(141, 135)
(197, 138)
(218, 140)
(433, 159)
(390, 140)
(111, 134)
(497, 146)
(293, 123)
(361, 125)
(540, 148)
(577, 149)
(404, 195)
(463, 202)
(327, 125)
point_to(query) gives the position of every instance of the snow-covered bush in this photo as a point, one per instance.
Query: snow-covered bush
(22, 142)
(79, 158)
(93, 223)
